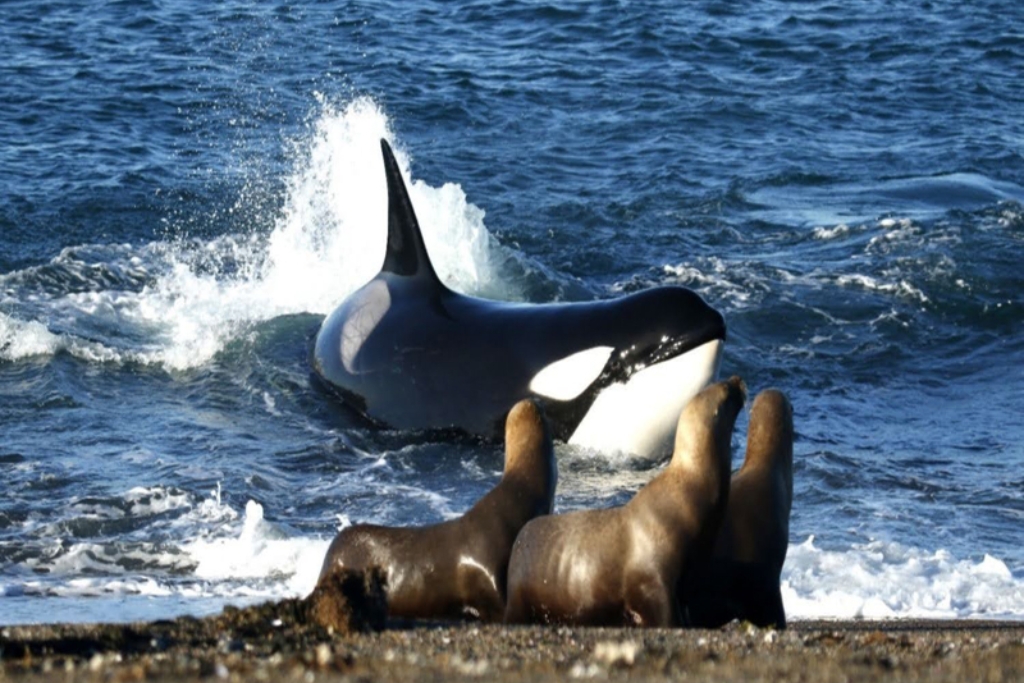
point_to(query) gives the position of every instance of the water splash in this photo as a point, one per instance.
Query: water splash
(262, 552)
(179, 303)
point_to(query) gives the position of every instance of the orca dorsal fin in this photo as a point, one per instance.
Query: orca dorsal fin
(406, 254)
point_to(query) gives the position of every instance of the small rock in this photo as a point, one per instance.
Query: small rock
(477, 667)
(324, 655)
(581, 670)
(612, 653)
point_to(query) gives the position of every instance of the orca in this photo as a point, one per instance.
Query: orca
(407, 352)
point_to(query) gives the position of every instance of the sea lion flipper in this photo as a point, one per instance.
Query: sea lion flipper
(406, 253)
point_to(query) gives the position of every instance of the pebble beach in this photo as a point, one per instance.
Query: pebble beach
(273, 642)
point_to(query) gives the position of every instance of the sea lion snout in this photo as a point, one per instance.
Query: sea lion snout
(530, 452)
(704, 429)
(525, 427)
(736, 383)
(733, 392)
(772, 407)
(770, 434)
(527, 434)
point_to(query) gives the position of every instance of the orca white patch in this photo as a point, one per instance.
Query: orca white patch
(639, 417)
(567, 378)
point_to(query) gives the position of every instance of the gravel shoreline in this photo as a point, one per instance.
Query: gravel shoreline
(276, 642)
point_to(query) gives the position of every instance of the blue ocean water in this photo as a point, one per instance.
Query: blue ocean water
(187, 188)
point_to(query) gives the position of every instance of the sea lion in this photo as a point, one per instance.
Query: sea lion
(622, 566)
(457, 569)
(407, 352)
(741, 580)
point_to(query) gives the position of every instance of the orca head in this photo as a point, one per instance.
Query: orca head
(664, 345)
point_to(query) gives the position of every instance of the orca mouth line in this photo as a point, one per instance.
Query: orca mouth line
(618, 373)
(638, 415)
(626, 363)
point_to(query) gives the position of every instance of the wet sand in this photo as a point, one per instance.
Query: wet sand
(278, 642)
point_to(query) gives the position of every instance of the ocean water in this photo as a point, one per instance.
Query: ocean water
(187, 188)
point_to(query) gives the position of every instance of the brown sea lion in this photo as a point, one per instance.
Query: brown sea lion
(457, 569)
(741, 581)
(622, 566)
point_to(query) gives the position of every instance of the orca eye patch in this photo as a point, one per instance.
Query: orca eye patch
(567, 378)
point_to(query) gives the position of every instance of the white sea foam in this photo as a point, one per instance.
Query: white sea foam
(888, 580)
(742, 285)
(836, 231)
(900, 288)
(228, 556)
(713, 277)
(198, 296)
(155, 500)
(237, 558)
(86, 587)
(261, 550)
(22, 339)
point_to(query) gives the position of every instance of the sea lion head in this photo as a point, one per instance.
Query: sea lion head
(705, 428)
(529, 451)
(770, 434)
